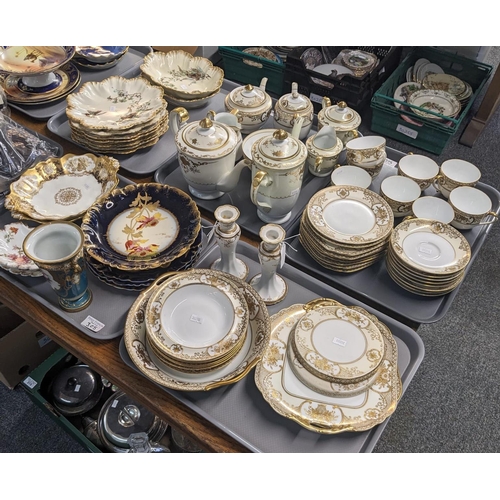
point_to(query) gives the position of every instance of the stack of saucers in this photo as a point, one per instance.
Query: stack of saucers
(330, 367)
(346, 228)
(197, 330)
(187, 81)
(99, 58)
(118, 115)
(427, 257)
(139, 232)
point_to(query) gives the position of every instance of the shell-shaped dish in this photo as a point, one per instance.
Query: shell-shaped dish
(181, 75)
(62, 188)
(140, 227)
(116, 103)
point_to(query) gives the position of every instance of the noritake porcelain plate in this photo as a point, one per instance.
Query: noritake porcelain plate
(141, 226)
(207, 333)
(431, 247)
(443, 81)
(337, 344)
(434, 100)
(12, 257)
(289, 397)
(116, 103)
(30, 61)
(182, 75)
(350, 214)
(66, 79)
(100, 54)
(404, 91)
(256, 340)
(426, 69)
(311, 58)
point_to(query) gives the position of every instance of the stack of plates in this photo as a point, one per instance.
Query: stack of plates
(117, 115)
(450, 84)
(426, 257)
(140, 232)
(197, 330)
(330, 367)
(187, 81)
(99, 58)
(346, 228)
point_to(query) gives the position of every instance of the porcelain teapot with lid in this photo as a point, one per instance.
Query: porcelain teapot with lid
(253, 105)
(206, 151)
(289, 107)
(343, 119)
(278, 160)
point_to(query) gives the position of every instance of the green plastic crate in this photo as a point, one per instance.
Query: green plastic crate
(430, 135)
(238, 69)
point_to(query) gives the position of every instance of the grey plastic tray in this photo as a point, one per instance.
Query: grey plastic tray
(373, 284)
(131, 59)
(109, 305)
(241, 411)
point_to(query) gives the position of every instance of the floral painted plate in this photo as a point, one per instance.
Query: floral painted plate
(404, 91)
(181, 75)
(12, 257)
(437, 101)
(62, 188)
(142, 226)
(31, 60)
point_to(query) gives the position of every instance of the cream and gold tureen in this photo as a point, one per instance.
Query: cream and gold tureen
(343, 119)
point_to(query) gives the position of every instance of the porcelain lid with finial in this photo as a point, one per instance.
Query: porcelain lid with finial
(339, 116)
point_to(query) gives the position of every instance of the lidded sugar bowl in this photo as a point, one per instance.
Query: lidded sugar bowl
(291, 106)
(253, 104)
(343, 119)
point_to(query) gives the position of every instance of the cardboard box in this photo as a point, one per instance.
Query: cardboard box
(22, 347)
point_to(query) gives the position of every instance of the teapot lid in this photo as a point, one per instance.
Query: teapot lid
(294, 101)
(248, 96)
(278, 150)
(341, 114)
(207, 139)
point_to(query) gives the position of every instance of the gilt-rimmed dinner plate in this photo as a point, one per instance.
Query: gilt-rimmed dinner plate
(338, 344)
(350, 214)
(437, 101)
(33, 60)
(63, 188)
(116, 103)
(196, 317)
(430, 247)
(256, 340)
(141, 226)
(289, 397)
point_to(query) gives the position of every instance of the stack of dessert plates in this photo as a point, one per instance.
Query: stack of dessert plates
(197, 330)
(187, 81)
(329, 367)
(99, 57)
(427, 257)
(140, 232)
(118, 115)
(346, 228)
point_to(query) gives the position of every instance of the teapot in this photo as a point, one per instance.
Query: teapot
(253, 105)
(343, 119)
(291, 106)
(206, 150)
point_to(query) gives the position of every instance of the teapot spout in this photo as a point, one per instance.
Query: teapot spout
(297, 126)
(229, 181)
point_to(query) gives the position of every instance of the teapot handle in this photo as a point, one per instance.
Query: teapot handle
(178, 117)
(256, 182)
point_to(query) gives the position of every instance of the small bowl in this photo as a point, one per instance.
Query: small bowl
(349, 175)
(430, 207)
(400, 192)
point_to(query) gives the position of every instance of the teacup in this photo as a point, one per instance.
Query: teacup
(349, 175)
(57, 249)
(430, 207)
(400, 192)
(471, 206)
(422, 169)
(323, 151)
(456, 173)
(365, 151)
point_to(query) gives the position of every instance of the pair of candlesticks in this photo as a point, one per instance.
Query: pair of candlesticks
(268, 283)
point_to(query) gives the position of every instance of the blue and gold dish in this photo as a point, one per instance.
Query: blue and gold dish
(141, 227)
(100, 55)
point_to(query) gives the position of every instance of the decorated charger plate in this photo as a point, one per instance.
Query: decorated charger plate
(12, 257)
(183, 75)
(196, 317)
(115, 103)
(141, 226)
(350, 214)
(437, 101)
(100, 54)
(31, 60)
(256, 340)
(431, 247)
(289, 397)
(62, 188)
